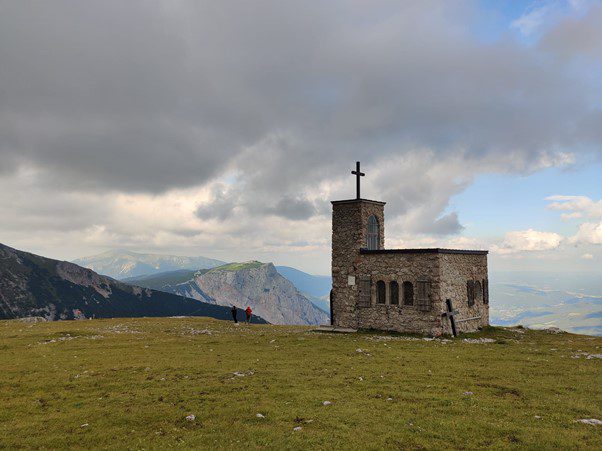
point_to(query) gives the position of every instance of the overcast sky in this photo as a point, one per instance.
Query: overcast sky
(225, 128)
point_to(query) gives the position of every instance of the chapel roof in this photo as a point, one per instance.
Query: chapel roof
(435, 250)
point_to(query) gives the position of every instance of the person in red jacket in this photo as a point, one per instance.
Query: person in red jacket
(249, 312)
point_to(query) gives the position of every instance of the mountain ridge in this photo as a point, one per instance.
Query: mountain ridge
(32, 285)
(121, 264)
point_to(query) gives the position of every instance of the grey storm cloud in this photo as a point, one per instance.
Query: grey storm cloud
(445, 225)
(579, 36)
(144, 97)
(295, 209)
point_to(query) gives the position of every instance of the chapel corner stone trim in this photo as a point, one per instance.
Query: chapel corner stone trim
(424, 278)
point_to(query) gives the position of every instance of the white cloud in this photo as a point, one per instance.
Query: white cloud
(577, 206)
(559, 20)
(530, 22)
(588, 233)
(528, 240)
(587, 257)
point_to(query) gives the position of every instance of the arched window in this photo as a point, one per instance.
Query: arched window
(394, 293)
(478, 291)
(408, 293)
(470, 292)
(381, 292)
(373, 237)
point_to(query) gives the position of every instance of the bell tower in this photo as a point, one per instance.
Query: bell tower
(356, 224)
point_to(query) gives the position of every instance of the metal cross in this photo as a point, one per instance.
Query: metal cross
(451, 313)
(357, 174)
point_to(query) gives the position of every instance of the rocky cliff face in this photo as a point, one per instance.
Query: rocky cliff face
(31, 285)
(254, 284)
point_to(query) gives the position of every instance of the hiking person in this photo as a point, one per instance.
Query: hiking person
(234, 311)
(249, 312)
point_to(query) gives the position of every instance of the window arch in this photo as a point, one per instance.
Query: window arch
(373, 236)
(394, 293)
(381, 292)
(408, 293)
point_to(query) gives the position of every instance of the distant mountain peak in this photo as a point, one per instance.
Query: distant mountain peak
(252, 283)
(122, 264)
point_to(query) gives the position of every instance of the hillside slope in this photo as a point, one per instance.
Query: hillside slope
(31, 285)
(316, 286)
(131, 383)
(121, 264)
(164, 281)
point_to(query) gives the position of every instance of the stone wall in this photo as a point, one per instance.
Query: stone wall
(401, 267)
(456, 271)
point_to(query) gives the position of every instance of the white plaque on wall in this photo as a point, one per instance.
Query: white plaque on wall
(350, 280)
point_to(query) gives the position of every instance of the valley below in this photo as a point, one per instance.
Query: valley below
(539, 300)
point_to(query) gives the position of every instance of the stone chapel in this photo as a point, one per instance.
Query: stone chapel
(403, 290)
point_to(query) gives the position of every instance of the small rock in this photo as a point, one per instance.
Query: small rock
(297, 429)
(554, 330)
(359, 350)
(479, 340)
(260, 415)
(468, 393)
(191, 417)
(389, 399)
(592, 421)
(538, 417)
(326, 403)
(85, 425)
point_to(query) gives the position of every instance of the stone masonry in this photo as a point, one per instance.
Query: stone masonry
(422, 278)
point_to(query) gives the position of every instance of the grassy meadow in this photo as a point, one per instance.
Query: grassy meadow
(131, 383)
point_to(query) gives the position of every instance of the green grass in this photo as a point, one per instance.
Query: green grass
(237, 266)
(159, 281)
(133, 381)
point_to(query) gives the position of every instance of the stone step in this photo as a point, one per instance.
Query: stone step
(334, 329)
